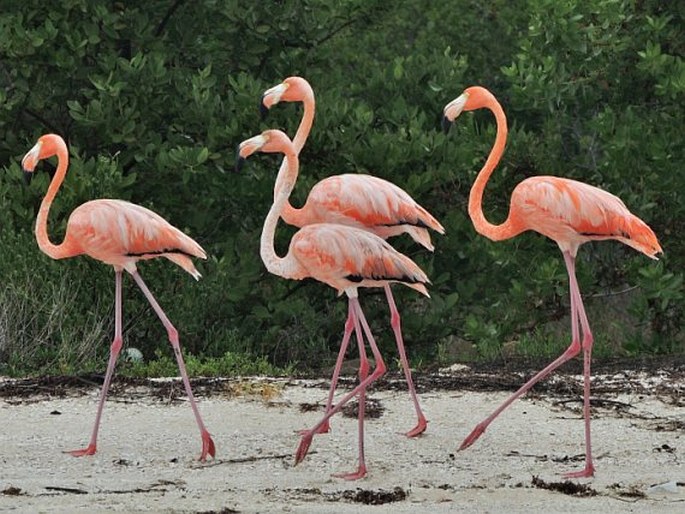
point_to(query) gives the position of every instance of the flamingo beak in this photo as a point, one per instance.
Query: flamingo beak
(452, 110)
(263, 109)
(247, 148)
(446, 124)
(239, 162)
(29, 162)
(271, 97)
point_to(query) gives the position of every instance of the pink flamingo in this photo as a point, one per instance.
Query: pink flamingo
(346, 258)
(120, 234)
(355, 200)
(570, 213)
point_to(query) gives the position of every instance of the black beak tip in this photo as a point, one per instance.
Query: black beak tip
(28, 175)
(263, 109)
(239, 162)
(446, 124)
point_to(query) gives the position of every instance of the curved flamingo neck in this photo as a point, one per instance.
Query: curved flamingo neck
(305, 126)
(285, 182)
(292, 215)
(64, 249)
(482, 225)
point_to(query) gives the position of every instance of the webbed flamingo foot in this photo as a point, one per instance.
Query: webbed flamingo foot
(90, 450)
(473, 436)
(354, 475)
(586, 472)
(303, 448)
(208, 447)
(419, 429)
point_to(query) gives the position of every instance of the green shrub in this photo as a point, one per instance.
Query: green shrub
(154, 97)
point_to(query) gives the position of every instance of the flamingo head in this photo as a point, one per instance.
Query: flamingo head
(46, 146)
(472, 98)
(292, 89)
(269, 141)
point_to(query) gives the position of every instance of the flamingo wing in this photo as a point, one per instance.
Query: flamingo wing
(355, 199)
(121, 233)
(573, 212)
(345, 257)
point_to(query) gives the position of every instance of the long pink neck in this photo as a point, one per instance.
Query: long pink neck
(290, 214)
(285, 183)
(482, 225)
(64, 249)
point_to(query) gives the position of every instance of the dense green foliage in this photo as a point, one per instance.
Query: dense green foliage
(153, 97)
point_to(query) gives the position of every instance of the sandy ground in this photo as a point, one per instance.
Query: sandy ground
(147, 449)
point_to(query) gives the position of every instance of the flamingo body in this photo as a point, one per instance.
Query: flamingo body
(567, 211)
(366, 202)
(572, 213)
(341, 256)
(120, 234)
(346, 257)
(357, 200)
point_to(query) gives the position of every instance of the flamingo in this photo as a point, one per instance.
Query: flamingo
(568, 212)
(361, 201)
(345, 258)
(120, 234)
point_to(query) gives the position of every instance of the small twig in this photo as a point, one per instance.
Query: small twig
(167, 16)
(45, 122)
(155, 487)
(335, 31)
(516, 453)
(251, 459)
(597, 402)
(627, 500)
(612, 293)
(66, 489)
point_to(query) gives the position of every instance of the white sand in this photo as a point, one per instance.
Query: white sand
(147, 449)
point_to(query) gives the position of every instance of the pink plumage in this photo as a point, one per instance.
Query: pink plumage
(120, 234)
(568, 212)
(357, 200)
(572, 213)
(343, 257)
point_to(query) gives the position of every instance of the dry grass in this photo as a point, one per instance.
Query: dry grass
(38, 325)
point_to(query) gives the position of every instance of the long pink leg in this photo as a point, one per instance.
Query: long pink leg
(380, 369)
(363, 373)
(395, 322)
(589, 469)
(207, 442)
(113, 354)
(570, 352)
(349, 326)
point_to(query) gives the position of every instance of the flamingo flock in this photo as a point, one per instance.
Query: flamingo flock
(341, 241)
(361, 201)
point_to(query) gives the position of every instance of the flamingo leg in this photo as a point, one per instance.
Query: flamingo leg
(395, 322)
(114, 350)
(379, 370)
(588, 339)
(207, 442)
(570, 352)
(363, 373)
(349, 326)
